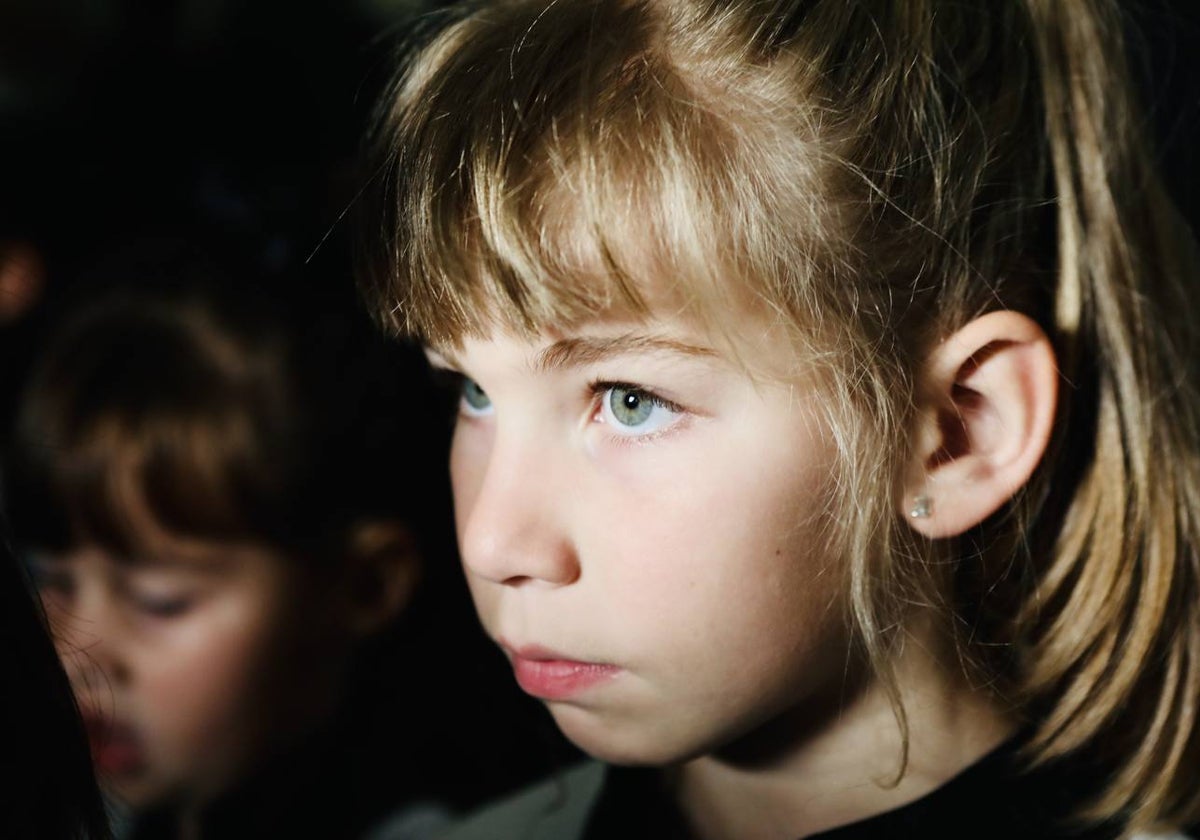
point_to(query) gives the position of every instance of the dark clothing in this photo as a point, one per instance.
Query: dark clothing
(324, 788)
(990, 799)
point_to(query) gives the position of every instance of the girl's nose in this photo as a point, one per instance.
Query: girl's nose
(511, 514)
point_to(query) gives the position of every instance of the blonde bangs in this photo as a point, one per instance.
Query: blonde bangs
(588, 172)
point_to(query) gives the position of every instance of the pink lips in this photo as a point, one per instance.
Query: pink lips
(116, 749)
(551, 676)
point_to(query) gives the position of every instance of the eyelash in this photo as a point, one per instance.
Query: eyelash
(600, 387)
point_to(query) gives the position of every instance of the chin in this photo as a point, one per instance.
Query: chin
(623, 744)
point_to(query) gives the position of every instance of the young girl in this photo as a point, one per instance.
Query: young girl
(222, 547)
(828, 428)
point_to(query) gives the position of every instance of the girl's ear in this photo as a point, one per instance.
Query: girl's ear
(383, 566)
(985, 413)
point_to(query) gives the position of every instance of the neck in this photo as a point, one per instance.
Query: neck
(844, 770)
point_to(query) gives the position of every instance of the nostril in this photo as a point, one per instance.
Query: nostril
(523, 557)
(516, 581)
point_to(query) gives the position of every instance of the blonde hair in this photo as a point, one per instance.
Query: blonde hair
(874, 178)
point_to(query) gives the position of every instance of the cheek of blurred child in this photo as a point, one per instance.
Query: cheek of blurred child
(190, 672)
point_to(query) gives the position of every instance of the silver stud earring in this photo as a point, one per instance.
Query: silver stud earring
(922, 507)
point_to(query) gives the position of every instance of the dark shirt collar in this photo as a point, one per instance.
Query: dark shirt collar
(990, 800)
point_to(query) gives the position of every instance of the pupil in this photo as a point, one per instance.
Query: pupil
(632, 401)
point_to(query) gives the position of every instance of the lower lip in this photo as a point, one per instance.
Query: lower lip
(117, 756)
(559, 679)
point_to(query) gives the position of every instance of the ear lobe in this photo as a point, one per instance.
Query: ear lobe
(384, 567)
(986, 413)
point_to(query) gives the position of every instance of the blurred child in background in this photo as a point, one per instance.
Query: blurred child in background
(218, 490)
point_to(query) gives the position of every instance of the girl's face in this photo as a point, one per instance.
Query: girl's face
(186, 664)
(645, 532)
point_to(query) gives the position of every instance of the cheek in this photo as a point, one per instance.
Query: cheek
(737, 556)
(468, 462)
(203, 687)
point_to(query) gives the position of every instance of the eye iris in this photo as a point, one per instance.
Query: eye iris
(629, 407)
(475, 396)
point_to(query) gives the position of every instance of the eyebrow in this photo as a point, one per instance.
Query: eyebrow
(576, 352)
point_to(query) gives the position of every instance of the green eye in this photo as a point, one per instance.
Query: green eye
(475, 399)
(634, 412)
(629, 406)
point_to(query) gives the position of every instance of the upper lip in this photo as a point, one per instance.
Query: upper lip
(537, 653)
